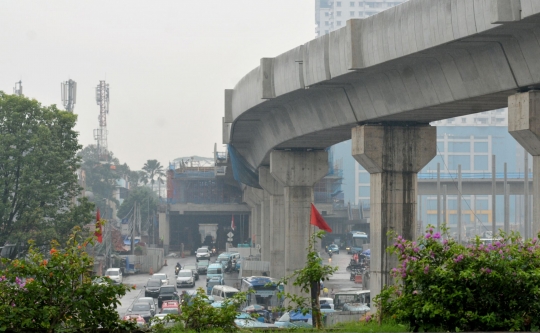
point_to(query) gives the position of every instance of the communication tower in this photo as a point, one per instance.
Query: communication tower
(100, 134)
(17, 90)
(69, 94)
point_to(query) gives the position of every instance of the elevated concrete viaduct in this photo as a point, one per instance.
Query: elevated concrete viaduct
(382, 80)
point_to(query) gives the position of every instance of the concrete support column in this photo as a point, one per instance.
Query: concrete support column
(253, 197)
(524, 126)
(297, 172)
(277, 222)
(393, 155)
(265, 227)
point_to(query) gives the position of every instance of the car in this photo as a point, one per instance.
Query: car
(115, 274)
(161, 276)
(356, 307)
(185, 278)
(213, 281)
(151, 289)
(151, 302)
(137, 319)
(202, 266)
(167, 293)
(334, 248)
(101, 280)
(194, 269)
(202, 253)
(161, 318)
(214, 270)
(170, 307)
(140, 309)
(188, 295)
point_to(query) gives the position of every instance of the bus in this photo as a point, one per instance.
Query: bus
(265, 290)
(356, 241)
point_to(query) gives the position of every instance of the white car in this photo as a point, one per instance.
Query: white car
(185, 278)
(115, 274)
(161, 276)
(202, 253)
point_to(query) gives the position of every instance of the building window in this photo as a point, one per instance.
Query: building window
(363, 191)
(338, 3)
(352, 14)
(482, 204)
(480, 147)
(481, 162)
(339, 23)
(326, 14)
(482, 217)
(459, 147)
(326, 31)
(463, 120)
(463, 160)
(363, 177)
(440, 147)
(452, 218)
(352, 3)
(326, 23)
(338, 13)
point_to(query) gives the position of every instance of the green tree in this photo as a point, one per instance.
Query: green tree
(38, 161)
(147, 201)
(309, 280)
(154, 172)
(56, 293)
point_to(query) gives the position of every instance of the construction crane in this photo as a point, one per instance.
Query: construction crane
(69, 94)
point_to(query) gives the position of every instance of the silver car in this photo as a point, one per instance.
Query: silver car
(161, 276)
(185, 278)
(140, 309)
(151, 302)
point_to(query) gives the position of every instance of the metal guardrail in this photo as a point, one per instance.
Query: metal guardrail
(476, 175)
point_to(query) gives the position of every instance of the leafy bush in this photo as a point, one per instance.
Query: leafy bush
(199, 315)
(448, 286)
(56, 292)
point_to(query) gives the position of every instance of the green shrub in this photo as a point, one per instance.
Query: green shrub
(478, 287)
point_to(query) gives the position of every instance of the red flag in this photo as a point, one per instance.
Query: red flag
(99, 231)
(318, 221)
(233, 226)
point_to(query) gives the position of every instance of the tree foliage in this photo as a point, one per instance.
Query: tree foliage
(38, 161)
(146, 199)
(199, 315)
(55, 292)
(309, 280)
(153, 172)
(478, 287)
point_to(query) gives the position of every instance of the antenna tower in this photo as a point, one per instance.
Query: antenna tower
(69, 94)
(100, 134)
(17, 90)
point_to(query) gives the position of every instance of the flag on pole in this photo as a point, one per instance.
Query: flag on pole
(233, 226)
(99, 230)
(318, 221)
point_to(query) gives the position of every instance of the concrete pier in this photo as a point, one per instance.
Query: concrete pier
(524, 126)
(277, 222)
(393, 155)
(253, 197)
(297, 171)
(266, 221)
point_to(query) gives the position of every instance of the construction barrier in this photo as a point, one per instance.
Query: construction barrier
(358, 278)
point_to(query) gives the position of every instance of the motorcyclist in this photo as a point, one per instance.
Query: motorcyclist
(177, 268)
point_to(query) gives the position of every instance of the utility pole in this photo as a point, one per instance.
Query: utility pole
(69, 94)
(100, 134)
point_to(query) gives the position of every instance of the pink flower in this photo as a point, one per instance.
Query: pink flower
(427, 236)
(426, 269)
(415, 292)
(437, 235)
(368, 318)
(416, 249)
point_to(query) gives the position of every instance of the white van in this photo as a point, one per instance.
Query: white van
(220, 293)
(115, 274)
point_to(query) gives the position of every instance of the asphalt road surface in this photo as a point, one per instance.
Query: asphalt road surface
(339, 280)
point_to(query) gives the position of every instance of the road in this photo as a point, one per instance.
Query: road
(339, 280)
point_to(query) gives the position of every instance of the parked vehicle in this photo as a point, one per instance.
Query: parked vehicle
(151, 302)
(214, 270)
(151, 289)
(140, 309)
(185, 279)
(349, 296)
(202, 253)
(326, 303)
(167, 293)
(194, 269)
(115, 274)
(220, 292)
(202, 266)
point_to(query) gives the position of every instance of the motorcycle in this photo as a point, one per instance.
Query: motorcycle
(176, 270)
(330, 253)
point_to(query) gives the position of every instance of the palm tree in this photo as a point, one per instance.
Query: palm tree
(153, 171)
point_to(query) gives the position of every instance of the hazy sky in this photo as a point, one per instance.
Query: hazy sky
(167, 63)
